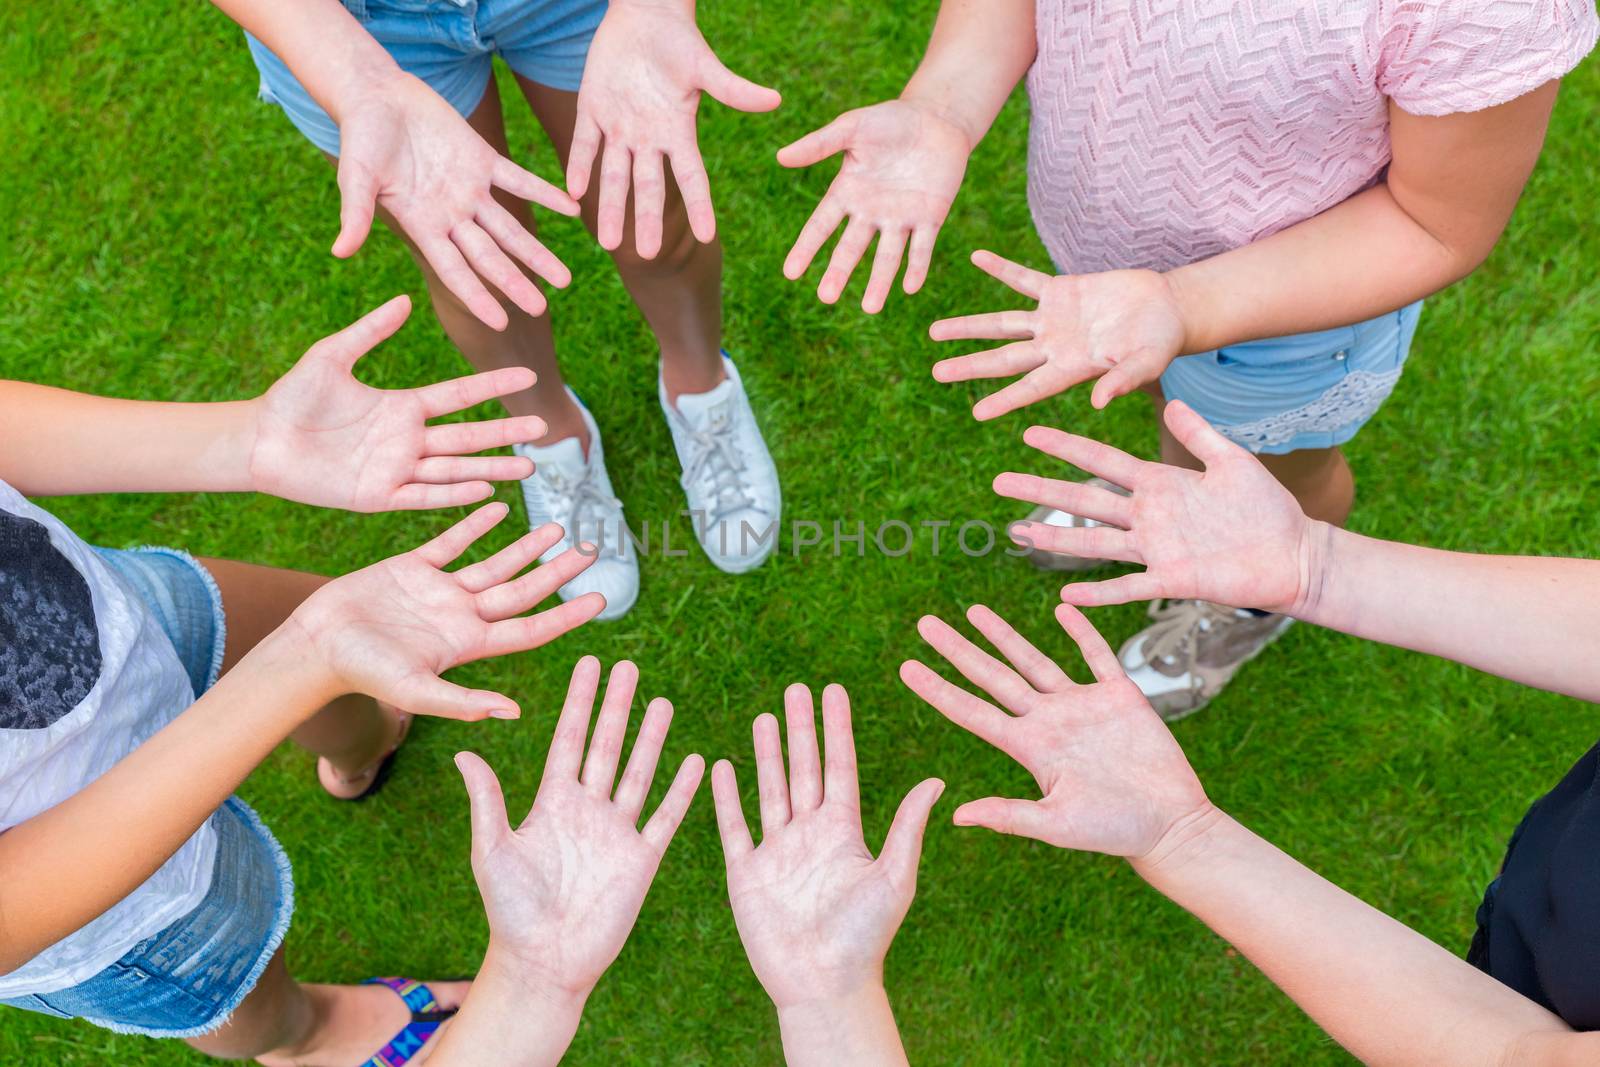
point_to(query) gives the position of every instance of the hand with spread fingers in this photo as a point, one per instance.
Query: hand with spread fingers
(319, 436)
(815, 910)
(902, 167)
(646, 68)
(402, 147)
(1113, 778)
(1230, 534)
(1122, 327)
(389, 630)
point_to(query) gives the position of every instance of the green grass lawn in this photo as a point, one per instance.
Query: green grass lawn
(165, 235)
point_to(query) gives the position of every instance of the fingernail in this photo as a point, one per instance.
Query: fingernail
(506, 713)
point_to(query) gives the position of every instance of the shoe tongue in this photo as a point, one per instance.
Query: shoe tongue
(700, 409)
(565, 456)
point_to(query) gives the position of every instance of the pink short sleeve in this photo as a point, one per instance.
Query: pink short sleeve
(1444, 56)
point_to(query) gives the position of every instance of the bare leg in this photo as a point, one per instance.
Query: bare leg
(679, 292)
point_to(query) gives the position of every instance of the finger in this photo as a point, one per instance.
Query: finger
(446, 260)
(770, 783)
(444, 548)
(358, 197)
(1038, 384)
(731, 90)
(1120, 590)
(902, 848)
(922, 241)
(695, 187)
(1038, 669)
(615, 165)
(1022, 818)
(840, 781)
(423, 496)
(956, 704)
(455, 438)
(813, 235)
(819, 144)
(885, 265)
(1074, 498)
(508, 233)
(1025, 280)
(977, 666)
(363, 335)
(1198, 436)
(846, 254)
(486, 800)
(572, 728)
(1091, 542)
(610, 730)
(526, 185)
(495, 266)
(649, 202)
(641, 769)
(447, 470)
(1013, 325)
(1112, 464)
(580, 157)
(458, 394)
(1018, 357)
(805, 764)
(533, 631)
(509, 561)
(675, 805)
(1103, 662)
(731, 826)
(518, 595)
(424, 693)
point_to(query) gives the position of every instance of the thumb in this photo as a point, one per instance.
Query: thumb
(367, 332)
(1196, 434)
(486, 798)
(731, 90)
(1022, 818)
(819, 144)
(423, 693)
(358, 193)
(1124, 377)
(902, 848)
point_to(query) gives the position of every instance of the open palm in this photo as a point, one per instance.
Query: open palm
(1122, 327)
(1112, 777)
(563, 889)
(1231, 534)
(815, 911)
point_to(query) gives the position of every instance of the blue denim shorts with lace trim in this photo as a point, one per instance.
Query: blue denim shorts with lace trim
(1307, 390)
(186, 979)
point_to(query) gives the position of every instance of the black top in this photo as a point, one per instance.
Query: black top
(49, 647)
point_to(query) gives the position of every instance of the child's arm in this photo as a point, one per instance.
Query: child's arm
(1113, 780)
(815, 911)
(1233, 535)
(563, 889)
(904, 159)
(402, 147)
(1448, 194)
(317, 436)
(357, 634)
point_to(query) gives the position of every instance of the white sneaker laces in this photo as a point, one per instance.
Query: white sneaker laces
(581, 506)
(717, 463)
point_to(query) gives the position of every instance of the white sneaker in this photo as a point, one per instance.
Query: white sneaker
(728, 474)
(575, 493)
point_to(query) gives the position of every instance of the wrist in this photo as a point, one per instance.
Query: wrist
(1186, 839)
(1191, 309)
(857, 1027)
(510, 973)
(369, 74)
(1319, 545)
(292, 656)
(944, 109)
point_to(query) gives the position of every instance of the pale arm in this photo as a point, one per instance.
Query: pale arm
(330, 53)
(979, 51)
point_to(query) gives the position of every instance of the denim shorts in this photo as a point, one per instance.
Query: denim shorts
(450, 45)
(188, 978)
(1307, 390)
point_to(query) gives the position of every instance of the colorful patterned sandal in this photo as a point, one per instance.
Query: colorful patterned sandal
(426, 1018)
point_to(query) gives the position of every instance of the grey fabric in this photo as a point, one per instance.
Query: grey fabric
(49, 646)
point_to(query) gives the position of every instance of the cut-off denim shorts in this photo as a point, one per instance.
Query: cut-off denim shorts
(1307, 390)
(450, 45)
(186, 979)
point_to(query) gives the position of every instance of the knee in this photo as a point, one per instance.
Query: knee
(679, 248)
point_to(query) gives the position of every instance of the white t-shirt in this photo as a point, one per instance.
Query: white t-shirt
(86, 675)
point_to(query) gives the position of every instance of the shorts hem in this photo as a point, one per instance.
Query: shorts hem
(219, 617)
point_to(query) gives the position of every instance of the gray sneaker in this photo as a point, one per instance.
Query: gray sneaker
(1066, 561)
(1193, 647)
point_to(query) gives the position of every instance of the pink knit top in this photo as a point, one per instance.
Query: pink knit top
(1166, 131)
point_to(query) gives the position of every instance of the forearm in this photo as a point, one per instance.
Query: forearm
(321, 42)
(509, 1020)
(54, 442)
(980, 49)
(1383, 991)
(857, 1029)
(1533, 619)
(88, 852)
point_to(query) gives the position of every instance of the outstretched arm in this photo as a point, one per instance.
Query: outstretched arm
(1233, 535)
(1112, 779)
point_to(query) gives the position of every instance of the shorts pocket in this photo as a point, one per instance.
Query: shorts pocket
(1332, 344)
